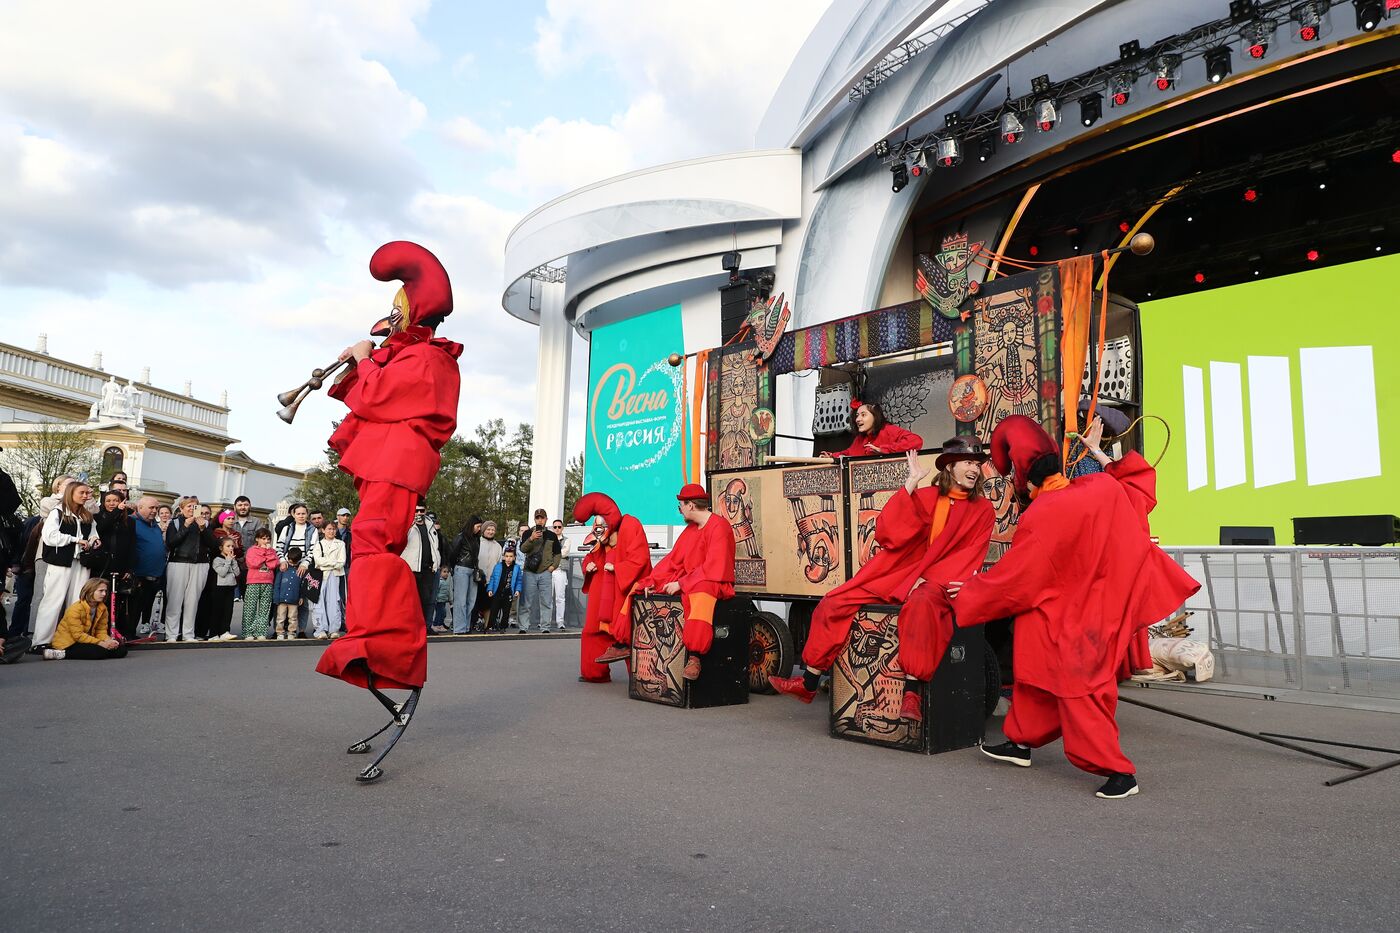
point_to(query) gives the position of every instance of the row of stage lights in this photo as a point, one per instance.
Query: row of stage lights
(1045, 114)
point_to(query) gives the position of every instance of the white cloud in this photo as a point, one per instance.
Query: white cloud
(559, 155)
(465, 134)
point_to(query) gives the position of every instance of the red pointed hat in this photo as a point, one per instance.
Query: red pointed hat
(692, 492)
(596, 503)
(424, 279)
(1018, 442)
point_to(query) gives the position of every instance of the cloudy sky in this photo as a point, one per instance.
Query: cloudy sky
(198, 187)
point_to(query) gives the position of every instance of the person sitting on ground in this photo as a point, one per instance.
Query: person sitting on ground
(262, 563)
(700, 568)
(286, 593)
(875, 435)
(926, 536)
(83, 633)
(506, 582)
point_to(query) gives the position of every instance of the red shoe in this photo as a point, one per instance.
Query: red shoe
(912, 708)
(793, 687)
(615, 653)
(692, 668)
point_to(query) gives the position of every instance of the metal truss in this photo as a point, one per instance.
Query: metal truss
(902, 54)
(547, 273)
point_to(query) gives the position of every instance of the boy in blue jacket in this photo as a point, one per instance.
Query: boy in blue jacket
(286, 593)
(505, 584)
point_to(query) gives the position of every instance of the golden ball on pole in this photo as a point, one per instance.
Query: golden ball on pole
(674, 359)
(1142, 244)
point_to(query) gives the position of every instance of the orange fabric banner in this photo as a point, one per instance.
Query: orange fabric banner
(1077, 286)
(697, 415)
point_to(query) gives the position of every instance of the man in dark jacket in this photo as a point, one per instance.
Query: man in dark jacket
(189, 543)
(11, 542)
(117, 531)
(462, 558)
(148, 562)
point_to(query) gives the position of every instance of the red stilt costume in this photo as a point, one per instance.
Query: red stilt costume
(626, 551)
(702, 563)
(1081, 577)
(403, 408)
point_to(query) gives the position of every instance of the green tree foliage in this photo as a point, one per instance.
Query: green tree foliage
(487, 474)
(573, 485)
(35, 459)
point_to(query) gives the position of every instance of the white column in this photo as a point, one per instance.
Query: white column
(551, 404)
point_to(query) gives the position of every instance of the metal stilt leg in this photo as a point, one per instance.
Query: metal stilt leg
(401, 720)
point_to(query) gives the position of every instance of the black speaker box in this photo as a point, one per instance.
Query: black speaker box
(867, 689)
(1367, 530)
(659, 655)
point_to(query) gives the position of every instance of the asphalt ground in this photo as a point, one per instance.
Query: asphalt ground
(209, 789)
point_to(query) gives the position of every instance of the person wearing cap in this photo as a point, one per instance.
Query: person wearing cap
(342, 531)
(700, 568)
(875, 435)
(1081, 576)
(539, 548)
(927, 536)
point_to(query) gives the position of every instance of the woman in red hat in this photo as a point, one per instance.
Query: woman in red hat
(875, 435)
(926, 536)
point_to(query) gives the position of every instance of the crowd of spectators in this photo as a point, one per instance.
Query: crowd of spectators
(93, 573)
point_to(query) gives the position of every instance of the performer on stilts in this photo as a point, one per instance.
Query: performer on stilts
(1081, 577)
(700, 568)
(402, 397)
(927, 537)
(619, 558)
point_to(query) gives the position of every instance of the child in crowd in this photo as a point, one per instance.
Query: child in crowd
(221, 593)
(505, 584)
(83, 634)
(444, 597)
(286, 593)
(257, 596)
(328, 557)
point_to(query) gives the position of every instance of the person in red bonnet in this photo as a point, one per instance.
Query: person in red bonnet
(875, 435)
(618, 559)
(700, 568)
(1080, 578)
(402, 397)
(926, 536)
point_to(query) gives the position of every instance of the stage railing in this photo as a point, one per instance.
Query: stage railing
(1322, 620)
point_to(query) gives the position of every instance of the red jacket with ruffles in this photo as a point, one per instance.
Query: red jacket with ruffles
(891, 439)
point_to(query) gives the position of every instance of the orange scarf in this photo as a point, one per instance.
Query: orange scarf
(941, 508)
(1051, 484)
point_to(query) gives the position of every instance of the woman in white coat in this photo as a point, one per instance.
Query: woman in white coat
(68, 531)
(328, 556)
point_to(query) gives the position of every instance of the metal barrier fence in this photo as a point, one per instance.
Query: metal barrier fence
(1311, 619)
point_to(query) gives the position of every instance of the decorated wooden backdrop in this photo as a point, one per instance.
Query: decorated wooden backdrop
(789, 528)
(740, 408)
(867, 684)
(872, 483)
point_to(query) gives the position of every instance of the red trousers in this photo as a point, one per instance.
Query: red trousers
(1090, 732)
(384, 630)
(593, 643)
(919, 651)
(697, 631)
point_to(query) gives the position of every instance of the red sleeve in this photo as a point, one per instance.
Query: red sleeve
(714, 563)
(411, 385)
(905, 517)
(671, 566)
(1139, 481)
(1025, 576)
(592, 563)
(893, 439)
(631, 558)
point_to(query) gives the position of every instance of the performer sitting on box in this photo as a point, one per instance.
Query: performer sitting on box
(926, 536)
(1080, 578)
(875, 435)
(618, 559)
(700, 568)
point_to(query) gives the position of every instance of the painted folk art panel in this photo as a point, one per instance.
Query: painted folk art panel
(867, 684)
(872, 483)
(658, 654)
(740, 398)
(788, 528)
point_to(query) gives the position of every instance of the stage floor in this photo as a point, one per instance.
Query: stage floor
(210, 790)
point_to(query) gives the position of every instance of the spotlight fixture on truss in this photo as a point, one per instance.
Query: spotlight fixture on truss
(1168, 68)
(1012, 129)
(950, 153)
(987, 147)
(1257, 34)
(899, 177)
(1046, 114)
(920, 163)
(1242, 11)
(1218, 65)
(1308, 17)
(882, 149)
(1369, 14)
(1090, 108)
(1120, 87)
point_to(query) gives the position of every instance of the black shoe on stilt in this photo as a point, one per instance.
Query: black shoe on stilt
(1117, 787)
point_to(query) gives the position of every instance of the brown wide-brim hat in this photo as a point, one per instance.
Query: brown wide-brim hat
(960, 448)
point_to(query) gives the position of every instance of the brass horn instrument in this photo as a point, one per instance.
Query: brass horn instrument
(291, 399)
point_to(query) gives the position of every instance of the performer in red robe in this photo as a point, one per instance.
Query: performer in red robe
(927, 537)
(700, 568)
(619, 558)
(402, 397)
(875, 435)
(1081, 577)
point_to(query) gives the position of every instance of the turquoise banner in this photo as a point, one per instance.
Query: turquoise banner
(635, 415)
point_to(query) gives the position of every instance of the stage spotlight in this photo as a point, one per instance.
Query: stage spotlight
(1308, 16)
(1256, 36)
(1395, 157)
(882, 149)
(1242, 11)
(920, 164)
(1046, 115)
(1090, 108)
(1012, 129)
(1034, 250)
(1124, 226)
(1217, 64)
(1313, 255)
(1076, 240)
(949, 149)
(987, 147)
(1121, 87)
(900, 173)
(1200, 277)
(1251, 195)
(1377, 239)
(1168, 70)
(1369, 14)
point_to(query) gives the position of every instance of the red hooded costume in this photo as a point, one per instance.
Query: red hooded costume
(403, 408)
(702, 562)
(1081, 577)
(627, 552)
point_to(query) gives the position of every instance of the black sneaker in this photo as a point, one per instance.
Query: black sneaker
(1118, 787)
(1009, 752)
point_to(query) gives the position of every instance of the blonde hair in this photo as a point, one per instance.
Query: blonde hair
(69, 494)
(90, 588)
